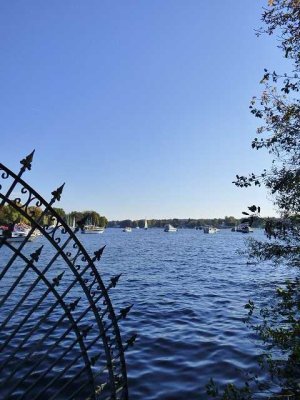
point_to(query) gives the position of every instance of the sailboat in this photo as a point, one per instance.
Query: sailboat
(73, 225)
(170, 228)
(146, 224)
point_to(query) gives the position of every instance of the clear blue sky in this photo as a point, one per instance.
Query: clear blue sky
(141, 107)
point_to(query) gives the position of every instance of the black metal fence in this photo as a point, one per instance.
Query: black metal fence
(59, 334)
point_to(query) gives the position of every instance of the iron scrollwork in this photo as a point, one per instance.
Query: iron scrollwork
(59, 334)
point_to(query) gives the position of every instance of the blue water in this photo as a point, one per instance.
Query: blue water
(188, 291)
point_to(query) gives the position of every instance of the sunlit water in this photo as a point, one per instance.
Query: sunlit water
(188, 291)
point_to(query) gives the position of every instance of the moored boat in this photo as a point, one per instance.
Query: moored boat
(127, 229)
(210, 229)
(18, 232)
(234, 228)
(92, 229)
(244, 228)
(13, 236)
(23, 230)
(170, 228)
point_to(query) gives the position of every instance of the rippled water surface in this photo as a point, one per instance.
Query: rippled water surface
(188, 291)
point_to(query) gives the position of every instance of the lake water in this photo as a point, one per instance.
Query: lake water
(188, 291)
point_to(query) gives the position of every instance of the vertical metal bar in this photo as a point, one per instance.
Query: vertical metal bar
(108, 310)
(34, 257)
(52, 308)
(85, 289)
(70, 317)
(35, 223)
(34, 284)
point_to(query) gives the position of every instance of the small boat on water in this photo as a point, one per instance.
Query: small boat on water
(146, 224)
(18, 233)
(23, 230)
(127, 229)
(210, 229)
(92, 229)
(14, 236)
(244, 228)
(170, 228)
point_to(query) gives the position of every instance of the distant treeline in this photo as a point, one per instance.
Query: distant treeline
(9, 214)
(228, 222)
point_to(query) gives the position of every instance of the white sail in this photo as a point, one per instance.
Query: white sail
(146, 224)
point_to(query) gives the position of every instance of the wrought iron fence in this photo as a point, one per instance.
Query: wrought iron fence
(59, 334)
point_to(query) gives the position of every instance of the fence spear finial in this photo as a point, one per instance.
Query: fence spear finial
(57, 193)
(26, 162)
(98, 253)
(35, 256)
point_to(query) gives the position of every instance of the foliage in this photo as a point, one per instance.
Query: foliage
(60, 211)
(126, 223)
(230, 392)
(278, 325)
(190, 223)
(9, 215)
(91, 218)
(279, 328)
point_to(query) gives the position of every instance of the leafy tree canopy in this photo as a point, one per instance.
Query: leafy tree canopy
(278, 108)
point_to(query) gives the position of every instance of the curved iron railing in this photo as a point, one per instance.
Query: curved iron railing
(59, 334)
